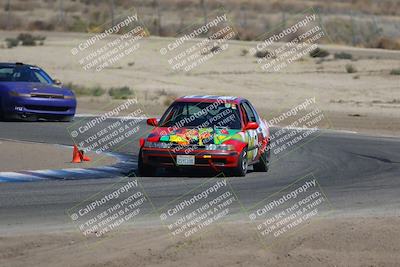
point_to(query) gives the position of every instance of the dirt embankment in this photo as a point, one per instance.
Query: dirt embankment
(323, 242)
(18, 156)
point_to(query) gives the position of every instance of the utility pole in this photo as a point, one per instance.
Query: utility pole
(8, 9)
(204, 7)
(157, 23)
(112, 13)
(353, 29)
(243, 16)
(61, 18)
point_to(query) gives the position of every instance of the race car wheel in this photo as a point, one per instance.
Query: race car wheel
(241, 168)
(66, 118)
(262, 165)
(2, 115)
(144, 169)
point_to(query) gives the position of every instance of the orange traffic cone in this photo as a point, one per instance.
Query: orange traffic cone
(76, 155)
(83, 157)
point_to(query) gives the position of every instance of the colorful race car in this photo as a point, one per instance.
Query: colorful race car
(215, 132)
(29, 93)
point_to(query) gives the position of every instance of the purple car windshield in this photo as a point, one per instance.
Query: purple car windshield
(24, 74)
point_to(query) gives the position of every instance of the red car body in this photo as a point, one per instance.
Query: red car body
(214, 132)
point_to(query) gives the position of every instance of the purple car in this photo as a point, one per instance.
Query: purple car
(29, 93)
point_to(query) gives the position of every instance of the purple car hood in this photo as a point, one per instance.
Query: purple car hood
(27, 87)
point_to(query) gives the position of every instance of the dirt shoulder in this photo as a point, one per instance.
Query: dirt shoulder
(33, 156)
(323, 242)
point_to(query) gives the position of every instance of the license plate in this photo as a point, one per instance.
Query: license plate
(184, 160)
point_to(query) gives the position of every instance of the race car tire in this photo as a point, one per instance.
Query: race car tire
(66, 118)
(263, 164)
(241, 169)
(144, 169)
(2, 115)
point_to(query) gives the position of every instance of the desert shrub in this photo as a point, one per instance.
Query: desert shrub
(318, 52)
(350, 68)
(85, 91)
(386, 43)
(40, 25)
(211, 49)
(343, 55)
(162, 92)
(12, 42)
(120, 92)
(97, 91)
(262, 54)
(215, 49)
(78, 25)
(28, 39)
(395, 72)
(168, 101)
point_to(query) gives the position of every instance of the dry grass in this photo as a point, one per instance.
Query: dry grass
(368, 23)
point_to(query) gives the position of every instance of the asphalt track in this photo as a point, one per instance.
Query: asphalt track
(359, 175)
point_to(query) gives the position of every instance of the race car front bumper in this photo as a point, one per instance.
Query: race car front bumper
(214, 159)
(20, 107)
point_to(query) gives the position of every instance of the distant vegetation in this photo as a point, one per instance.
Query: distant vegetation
(262, 54)
(86, 91)
(318, 52)
(25, 39)
(121, 92)
(343, 55)
(350, 68)
(366, 23)
(115, 93)
(395, 71)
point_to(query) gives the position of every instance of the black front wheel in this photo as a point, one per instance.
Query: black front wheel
(241, 168)
(144, 169)
(66, 118)
(263, 164)
(2, 115)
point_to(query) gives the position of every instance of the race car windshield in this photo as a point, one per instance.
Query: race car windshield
(201, 114)
(24, 74)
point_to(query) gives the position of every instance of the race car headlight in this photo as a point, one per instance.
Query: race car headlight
(220, 147)
(16, 94)
(13, 93)
(157, 144)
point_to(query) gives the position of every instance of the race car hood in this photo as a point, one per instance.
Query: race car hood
(27, 88)
(196, 136)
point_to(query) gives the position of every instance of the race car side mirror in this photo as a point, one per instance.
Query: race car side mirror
(152, 122)
(57, 82)
(251, 126)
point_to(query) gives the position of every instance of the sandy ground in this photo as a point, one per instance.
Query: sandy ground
(366, 101)
(358, 241)
(18, 156)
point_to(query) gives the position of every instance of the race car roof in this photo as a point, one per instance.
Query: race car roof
(9, 64)
(209, 98)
